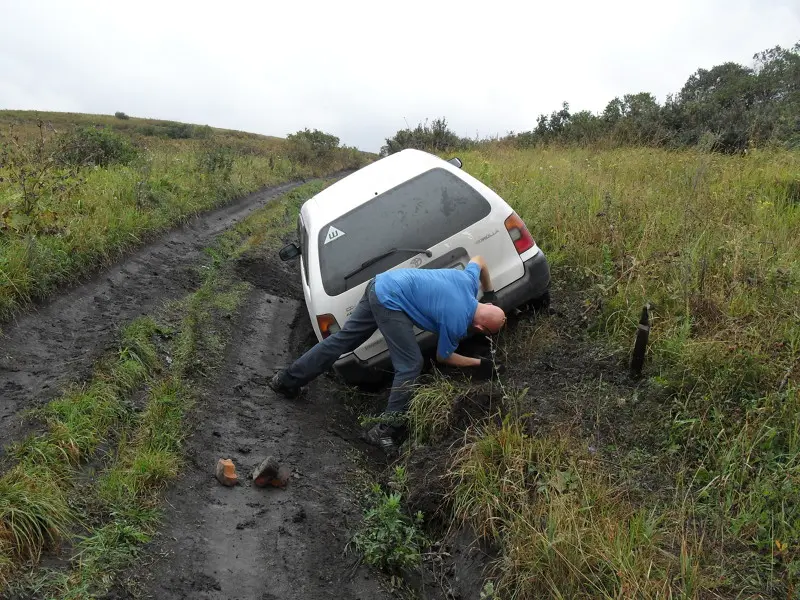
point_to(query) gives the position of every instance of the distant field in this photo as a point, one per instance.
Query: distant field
(82, 189)
(698, 496)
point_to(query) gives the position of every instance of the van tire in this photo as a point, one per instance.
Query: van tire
(540, 304)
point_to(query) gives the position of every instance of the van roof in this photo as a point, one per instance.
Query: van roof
(368, 182)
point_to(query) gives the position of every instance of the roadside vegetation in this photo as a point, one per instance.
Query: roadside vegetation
(77, 191)
(87, 487)
(684, 483)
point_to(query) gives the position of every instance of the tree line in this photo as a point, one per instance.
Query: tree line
(727, 108)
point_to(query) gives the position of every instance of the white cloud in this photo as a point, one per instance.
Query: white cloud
(362, 69)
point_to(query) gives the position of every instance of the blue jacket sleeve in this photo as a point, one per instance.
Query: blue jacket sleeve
(446, 345)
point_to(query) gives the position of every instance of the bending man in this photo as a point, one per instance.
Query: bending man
(443, 301)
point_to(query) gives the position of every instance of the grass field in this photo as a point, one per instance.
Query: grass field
(712, 508)
(61, 218)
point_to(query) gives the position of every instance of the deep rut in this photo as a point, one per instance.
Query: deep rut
(251, 543)
(43, 350)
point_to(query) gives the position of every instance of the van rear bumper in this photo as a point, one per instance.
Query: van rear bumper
(534, 283)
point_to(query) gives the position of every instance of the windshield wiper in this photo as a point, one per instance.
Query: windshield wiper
(372, 261)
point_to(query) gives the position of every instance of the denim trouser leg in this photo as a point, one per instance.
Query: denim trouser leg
(398, 331)
(321, 357)
(369, 315)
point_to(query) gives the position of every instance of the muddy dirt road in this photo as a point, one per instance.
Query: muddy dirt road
(43, 350)
(263, 544)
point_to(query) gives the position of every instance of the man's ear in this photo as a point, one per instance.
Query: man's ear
(481, 329)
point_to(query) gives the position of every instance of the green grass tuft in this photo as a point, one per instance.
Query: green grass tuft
(564, 529)
(431, 407)
(34, 512)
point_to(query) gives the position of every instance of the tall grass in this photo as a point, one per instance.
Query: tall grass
(34, 509)
(711, 242)
(564, 528)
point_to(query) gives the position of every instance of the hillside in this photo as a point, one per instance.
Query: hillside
(78, 191)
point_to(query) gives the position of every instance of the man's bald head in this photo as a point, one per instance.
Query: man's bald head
(489, 319)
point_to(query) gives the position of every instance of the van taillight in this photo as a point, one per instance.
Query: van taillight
(523, 241)
(327, 325)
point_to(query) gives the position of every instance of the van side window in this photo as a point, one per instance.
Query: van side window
(418, 213)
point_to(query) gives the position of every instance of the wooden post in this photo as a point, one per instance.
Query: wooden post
(640, 347)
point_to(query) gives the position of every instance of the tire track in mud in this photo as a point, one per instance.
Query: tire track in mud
(43, 350)
(251, 543)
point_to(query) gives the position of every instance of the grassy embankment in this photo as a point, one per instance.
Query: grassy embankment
(698, 495)
(72, 202)
(91, 483)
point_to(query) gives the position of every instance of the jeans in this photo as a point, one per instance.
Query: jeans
(369, 315)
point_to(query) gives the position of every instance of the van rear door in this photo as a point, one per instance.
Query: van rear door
(437, 210)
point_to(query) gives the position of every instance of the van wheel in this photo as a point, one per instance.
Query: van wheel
(540, 304)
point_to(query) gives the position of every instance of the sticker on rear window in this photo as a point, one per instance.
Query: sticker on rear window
(333, 234)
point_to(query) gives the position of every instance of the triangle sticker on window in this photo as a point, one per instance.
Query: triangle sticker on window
(333, 234)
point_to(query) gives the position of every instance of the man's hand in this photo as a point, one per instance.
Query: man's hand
(489, 370)
(489, 297)
(486, 281)
(457, 360)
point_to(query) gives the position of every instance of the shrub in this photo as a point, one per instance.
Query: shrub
(98, 146)
(177, 131)
(436, 137)
(217, 161)
(30, 169)
(202, 132)
(307, 146)
(148, 130)
(388, 538)
(121, 115)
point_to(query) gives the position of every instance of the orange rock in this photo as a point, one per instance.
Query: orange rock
(269, 473)
(226, 472)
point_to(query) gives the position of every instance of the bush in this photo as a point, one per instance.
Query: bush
(307, 146)
(121, 115)
(38, 181)
(177, 131)
(95, 146)
(217, 161)
(435, 137)
(148, 130)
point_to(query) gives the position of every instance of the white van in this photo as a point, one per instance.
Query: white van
(410, 209)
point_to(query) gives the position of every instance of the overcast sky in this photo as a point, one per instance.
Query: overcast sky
(362, 70)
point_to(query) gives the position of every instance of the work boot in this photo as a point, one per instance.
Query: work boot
(381, 436)
(277, 385)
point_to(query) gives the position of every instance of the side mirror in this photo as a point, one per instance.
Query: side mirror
(289, 252)
(456, 161)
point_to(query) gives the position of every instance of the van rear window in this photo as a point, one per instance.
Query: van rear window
(418, 213)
